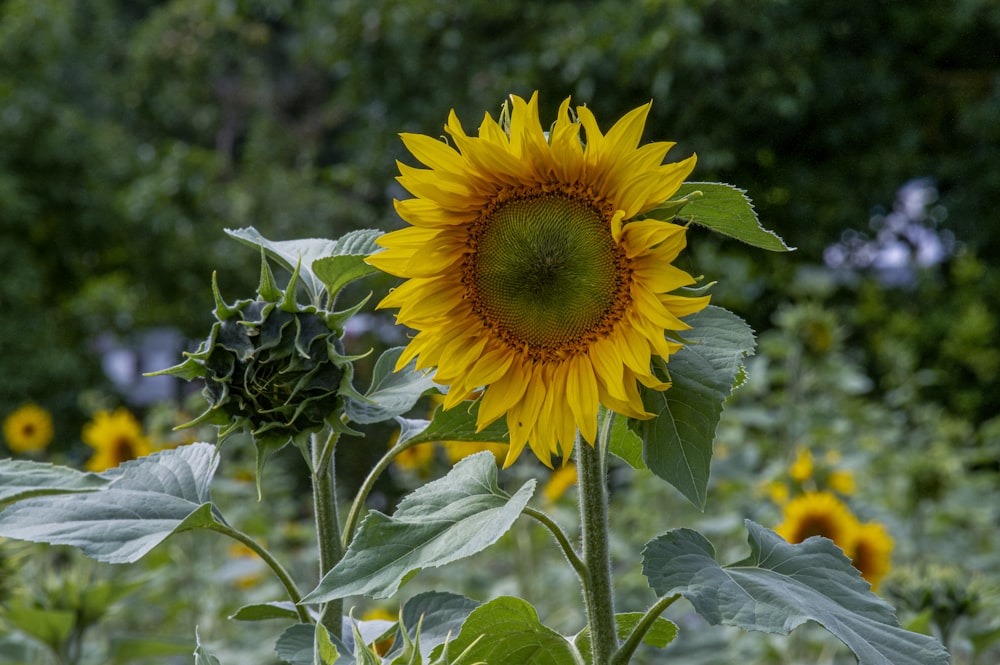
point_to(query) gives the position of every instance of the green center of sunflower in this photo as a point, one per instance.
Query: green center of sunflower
(545, 274)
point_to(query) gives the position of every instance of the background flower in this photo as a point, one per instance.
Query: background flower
(115, 437)
(28, 429)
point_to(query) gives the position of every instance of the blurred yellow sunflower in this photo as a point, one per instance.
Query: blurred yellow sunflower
(416, 458)
(530, 276)
(459, 450)
(818, 514)
(115, 437)
(871, 551)
(560, 481)
(28, 429)
(801, 469)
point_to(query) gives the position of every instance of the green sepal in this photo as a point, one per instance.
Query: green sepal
(336, 320)
(268, 288)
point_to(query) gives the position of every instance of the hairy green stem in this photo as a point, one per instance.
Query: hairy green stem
(567, 548)
(597, 592)
(631, 643)
(271, 562)
(327, 522)
(354, 515)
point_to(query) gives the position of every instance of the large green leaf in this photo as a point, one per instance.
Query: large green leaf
(445, 520)
(724, 209)
(347, 262)
(510, 633)
(391, 393)
(150, 498)
(677, 442)
(780, 586)
(21, 479)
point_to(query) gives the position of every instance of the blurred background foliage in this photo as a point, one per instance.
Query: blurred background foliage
(867, 133)
(133, 132)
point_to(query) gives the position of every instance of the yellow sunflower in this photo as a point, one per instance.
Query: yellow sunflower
(28, 429)
(871, 551)
(529, 274)
(560, 481)
(818, 514)
(115, 437)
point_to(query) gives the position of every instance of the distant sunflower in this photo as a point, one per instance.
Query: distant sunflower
(871, 551)
(818, 514)
(115, 437)
(28, 429)
(529, 275)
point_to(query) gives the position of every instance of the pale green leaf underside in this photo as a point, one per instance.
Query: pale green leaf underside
(391, 393)
(780, 586)
(290, 254)
(509, 632)
(21, 479)
(677, 442)
(448, 519)
(439, 614)
(149, 499)
(727, 210)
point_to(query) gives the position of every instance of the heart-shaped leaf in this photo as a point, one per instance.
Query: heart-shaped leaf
(445, 520)
(780, 586)
(677, 442)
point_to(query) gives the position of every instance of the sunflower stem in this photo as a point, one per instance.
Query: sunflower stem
(279, 571)
(327, 521)
(597, 588)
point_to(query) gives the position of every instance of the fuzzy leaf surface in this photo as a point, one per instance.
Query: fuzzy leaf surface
(509, 632)
(22, 479)
(780, 586)
(445, 520)
(391, 393)
(150, 498)
(677, 442)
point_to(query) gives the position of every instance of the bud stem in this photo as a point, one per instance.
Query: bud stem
(327, 520)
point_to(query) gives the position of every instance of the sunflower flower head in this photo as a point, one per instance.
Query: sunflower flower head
(28, 429)
(530, 273)
(818, 514)
(871, 552)
(116, 437)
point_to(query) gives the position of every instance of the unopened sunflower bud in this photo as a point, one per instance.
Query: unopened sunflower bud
(270, 366)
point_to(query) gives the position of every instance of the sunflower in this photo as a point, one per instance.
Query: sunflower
(530, 274)
(871, 551)
(115, 437)
(560, 481)
(28, 429)
(818, 514)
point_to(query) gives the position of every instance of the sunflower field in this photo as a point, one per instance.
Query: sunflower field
(427, 331)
